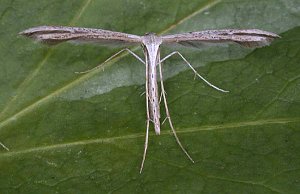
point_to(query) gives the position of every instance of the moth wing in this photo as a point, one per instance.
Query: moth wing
(247, 38)
(56, 34)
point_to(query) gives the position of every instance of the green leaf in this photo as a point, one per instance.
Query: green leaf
(70, 133)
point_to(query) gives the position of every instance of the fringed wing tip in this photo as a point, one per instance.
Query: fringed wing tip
(23, 33)
(31, 31)
(34, 33)
(259, 41)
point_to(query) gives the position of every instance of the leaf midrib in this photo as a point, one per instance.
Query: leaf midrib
(139, 135)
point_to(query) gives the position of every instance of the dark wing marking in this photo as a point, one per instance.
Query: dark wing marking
(57, 34)
(246, 38)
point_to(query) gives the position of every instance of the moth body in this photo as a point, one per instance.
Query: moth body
(151, 44)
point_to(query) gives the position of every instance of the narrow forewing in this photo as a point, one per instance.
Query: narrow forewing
(58, 34)
(246, 38)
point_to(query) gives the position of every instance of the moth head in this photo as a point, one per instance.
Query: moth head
(150, 33)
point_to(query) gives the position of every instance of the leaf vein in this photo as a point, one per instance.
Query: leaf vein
(111, 140)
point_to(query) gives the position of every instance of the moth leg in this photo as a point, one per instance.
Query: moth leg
(164, 120)
(148, 118)
(143, 93)
(2, 145)
(146, 146)
(196, 73)
(113, 56)
(160, 97)
(168, 115)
